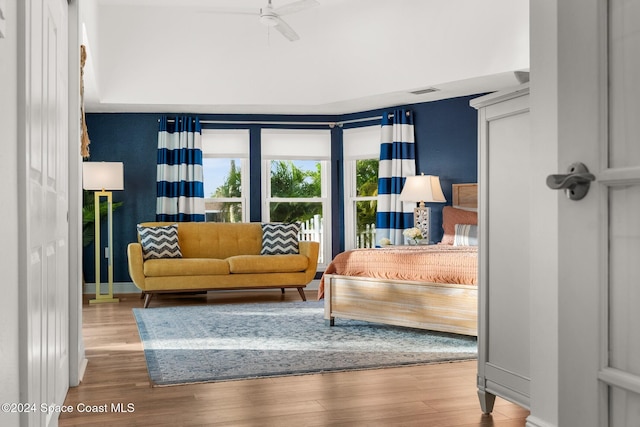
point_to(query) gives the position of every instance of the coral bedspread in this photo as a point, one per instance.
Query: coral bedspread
(433, 263)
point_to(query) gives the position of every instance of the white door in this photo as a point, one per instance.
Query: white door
(599, 237)
(44, 226)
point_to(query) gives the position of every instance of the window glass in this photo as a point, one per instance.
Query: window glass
(361, 152)
(223, 189)
(300, 178)
(366, 202)
(367, 177)
(225, 158)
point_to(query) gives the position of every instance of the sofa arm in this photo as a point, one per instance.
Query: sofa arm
(310, 250)
(136, 261)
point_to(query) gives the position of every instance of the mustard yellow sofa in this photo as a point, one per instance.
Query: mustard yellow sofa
(220, 256)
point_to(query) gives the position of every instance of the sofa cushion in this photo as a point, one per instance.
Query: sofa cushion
(280, 239)
(185, 267)
(216, 239)
(160, 241)
(219, 240)
(268, 264)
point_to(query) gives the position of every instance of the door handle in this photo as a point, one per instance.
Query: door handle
(575, 183)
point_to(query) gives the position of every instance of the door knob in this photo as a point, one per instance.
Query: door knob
(575, 183)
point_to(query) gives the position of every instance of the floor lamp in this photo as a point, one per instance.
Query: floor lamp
(422, 188)
(103, 177)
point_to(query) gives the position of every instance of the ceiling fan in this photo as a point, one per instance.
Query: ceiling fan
(271, 16)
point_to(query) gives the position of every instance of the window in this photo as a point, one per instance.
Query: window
(296, 182)
(224, 163)
(361, 149)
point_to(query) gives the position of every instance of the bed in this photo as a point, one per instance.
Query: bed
(427, 287)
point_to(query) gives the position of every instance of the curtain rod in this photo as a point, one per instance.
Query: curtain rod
(366, 119)
(250, 122)
(262, 122)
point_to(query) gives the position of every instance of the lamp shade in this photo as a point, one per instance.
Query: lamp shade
(422, 188)
(103, 176)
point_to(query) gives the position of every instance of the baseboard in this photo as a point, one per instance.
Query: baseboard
(83, 368)
(130, 288)
(537, 422)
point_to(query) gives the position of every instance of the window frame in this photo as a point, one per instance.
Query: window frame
(353, 151)
(351, 200)
(325, 185)
(244, 168)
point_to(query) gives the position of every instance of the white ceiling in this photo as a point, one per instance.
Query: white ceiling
(353, 55)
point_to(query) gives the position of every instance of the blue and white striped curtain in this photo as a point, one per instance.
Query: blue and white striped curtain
(180, 188)
(397, 161)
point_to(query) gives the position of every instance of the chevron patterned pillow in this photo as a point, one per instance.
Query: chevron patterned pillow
(280, 239)
(160, 242)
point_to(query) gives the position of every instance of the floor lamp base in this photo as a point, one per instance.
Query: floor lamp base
(100, 297)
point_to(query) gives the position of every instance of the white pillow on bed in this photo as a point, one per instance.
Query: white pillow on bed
(466, 235)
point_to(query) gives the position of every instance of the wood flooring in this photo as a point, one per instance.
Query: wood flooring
(115, 390)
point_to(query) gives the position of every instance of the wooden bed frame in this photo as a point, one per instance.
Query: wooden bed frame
(440, 307)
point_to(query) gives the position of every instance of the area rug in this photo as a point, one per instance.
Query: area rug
(222, 342)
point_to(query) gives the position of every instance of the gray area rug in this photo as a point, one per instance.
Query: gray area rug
(192, 344)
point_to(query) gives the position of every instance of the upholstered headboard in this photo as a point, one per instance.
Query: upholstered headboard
(465, 196)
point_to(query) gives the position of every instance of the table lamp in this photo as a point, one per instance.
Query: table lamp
(103, 177)
(422, 188)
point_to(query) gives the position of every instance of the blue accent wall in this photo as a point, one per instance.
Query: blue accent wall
(446, 145)
(446, 134)
(133, 140)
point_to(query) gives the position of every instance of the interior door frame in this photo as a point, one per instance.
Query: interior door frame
(581, 104)
(77, 359)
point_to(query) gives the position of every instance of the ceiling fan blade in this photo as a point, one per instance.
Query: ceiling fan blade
(296, 6)
(286, 30)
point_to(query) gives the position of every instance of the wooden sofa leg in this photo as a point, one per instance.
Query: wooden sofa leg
(147, 299)
(282, 289)
(301, 292)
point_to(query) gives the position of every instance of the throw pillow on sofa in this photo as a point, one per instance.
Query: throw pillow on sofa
(280, 239)
(160, 241)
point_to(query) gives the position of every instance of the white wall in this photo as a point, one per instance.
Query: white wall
(88, 27)
(9, 356)
(77, 359)
(544, 202)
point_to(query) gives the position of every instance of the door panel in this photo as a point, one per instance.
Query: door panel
(624, 299)
(45, 311)
(621, 367)
(508, 201)
(624, 90)
(599, 237)
(624, 408)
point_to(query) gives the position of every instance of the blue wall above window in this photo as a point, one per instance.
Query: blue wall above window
(446, 145)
